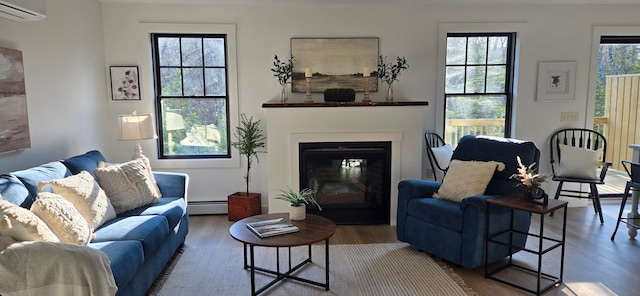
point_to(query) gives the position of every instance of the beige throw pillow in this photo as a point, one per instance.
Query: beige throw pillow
(23, 225)
(467, 178)
(128, 185)
(87, 197)
(578, 162)
(62, 218)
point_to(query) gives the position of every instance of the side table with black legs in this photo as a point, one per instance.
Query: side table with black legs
(545, 243)
(312, 230)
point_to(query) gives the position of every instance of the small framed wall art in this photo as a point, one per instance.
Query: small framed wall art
(125, 83)
(556, 81)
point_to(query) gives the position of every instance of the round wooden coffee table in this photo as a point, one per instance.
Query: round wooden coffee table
(311, 230)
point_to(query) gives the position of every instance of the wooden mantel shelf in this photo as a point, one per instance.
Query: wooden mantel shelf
(278, 104)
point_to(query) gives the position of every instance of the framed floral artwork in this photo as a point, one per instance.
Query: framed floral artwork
(556, 81)
(125, 83)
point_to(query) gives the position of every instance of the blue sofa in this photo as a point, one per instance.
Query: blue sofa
(138, 243)
(455, 231)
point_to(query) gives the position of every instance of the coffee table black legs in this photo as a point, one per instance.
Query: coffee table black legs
(279, 276)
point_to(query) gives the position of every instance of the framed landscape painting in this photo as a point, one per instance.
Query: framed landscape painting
(14, 120)
(335, 63)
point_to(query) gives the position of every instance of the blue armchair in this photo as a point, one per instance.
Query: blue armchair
(455, 231)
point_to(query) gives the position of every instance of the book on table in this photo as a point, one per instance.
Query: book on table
(271, 227)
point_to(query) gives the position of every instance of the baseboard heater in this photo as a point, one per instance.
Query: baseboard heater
(207, 207)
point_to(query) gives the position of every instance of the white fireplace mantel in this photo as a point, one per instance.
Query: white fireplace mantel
(287, 127)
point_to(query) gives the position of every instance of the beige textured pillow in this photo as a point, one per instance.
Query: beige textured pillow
(467, 178)
(128, 185)
(147, 165)
(23, 225)
(87, 197)
(62, 218)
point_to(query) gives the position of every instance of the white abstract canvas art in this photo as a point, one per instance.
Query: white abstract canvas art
(14, 120)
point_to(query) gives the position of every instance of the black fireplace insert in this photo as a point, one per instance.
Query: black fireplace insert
(351, 179)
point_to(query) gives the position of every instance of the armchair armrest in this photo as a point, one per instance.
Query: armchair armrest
(172, 184)
(605, 168)
(410, 189)
(477, 203)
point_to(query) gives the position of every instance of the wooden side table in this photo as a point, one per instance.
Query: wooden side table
(544, 245)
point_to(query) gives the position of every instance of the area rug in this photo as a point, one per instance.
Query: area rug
(359, 269)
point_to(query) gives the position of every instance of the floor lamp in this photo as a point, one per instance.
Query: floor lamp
(136, 127)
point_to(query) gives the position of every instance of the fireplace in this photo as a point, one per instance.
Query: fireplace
(351, 180)
(289, 124)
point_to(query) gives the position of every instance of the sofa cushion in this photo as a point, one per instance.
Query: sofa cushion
(467, 178)
(128, 185)
(23, 225)
(149, 230)
(46, 172)
(170, 207)
(62, 218)
(126, 257)
(448, 214)
(84, 162)
(85, 194)
(14, 191)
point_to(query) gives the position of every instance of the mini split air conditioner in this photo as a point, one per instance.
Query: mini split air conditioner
(23, 10)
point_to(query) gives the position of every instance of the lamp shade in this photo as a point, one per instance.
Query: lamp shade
(135, 127)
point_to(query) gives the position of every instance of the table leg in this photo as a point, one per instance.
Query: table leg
(253, 272)
(633, 214)
(326, 269)
(540, 245)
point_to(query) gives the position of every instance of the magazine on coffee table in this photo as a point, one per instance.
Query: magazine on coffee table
(272, 227)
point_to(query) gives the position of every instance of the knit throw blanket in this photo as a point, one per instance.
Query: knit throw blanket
(43, 268)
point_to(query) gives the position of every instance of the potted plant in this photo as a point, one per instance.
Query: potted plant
(283, 70)
(298, 202)
(389, 72)
(250, 140)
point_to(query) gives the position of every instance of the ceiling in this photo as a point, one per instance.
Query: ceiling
(383, 1)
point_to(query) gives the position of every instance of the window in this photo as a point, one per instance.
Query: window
(478, 87)
(192, 95)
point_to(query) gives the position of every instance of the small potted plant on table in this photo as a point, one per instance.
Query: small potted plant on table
(298, 202)
(250, 140)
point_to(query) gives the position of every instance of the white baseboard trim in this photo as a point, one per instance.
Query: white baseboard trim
(207, 207)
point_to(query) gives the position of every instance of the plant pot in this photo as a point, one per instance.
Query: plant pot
(298, 213)
(241, 206)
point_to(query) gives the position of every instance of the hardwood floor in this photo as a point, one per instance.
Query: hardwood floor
(594, 265)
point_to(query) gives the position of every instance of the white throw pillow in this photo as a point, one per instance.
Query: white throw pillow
(443, 155)
(128, 185)
(23, 225)
(578, 162)
(87, 197)
(62, 218)
(467, 178)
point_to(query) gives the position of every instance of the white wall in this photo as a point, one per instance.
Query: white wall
(70, 111)
(65, 81)
(551, 33)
